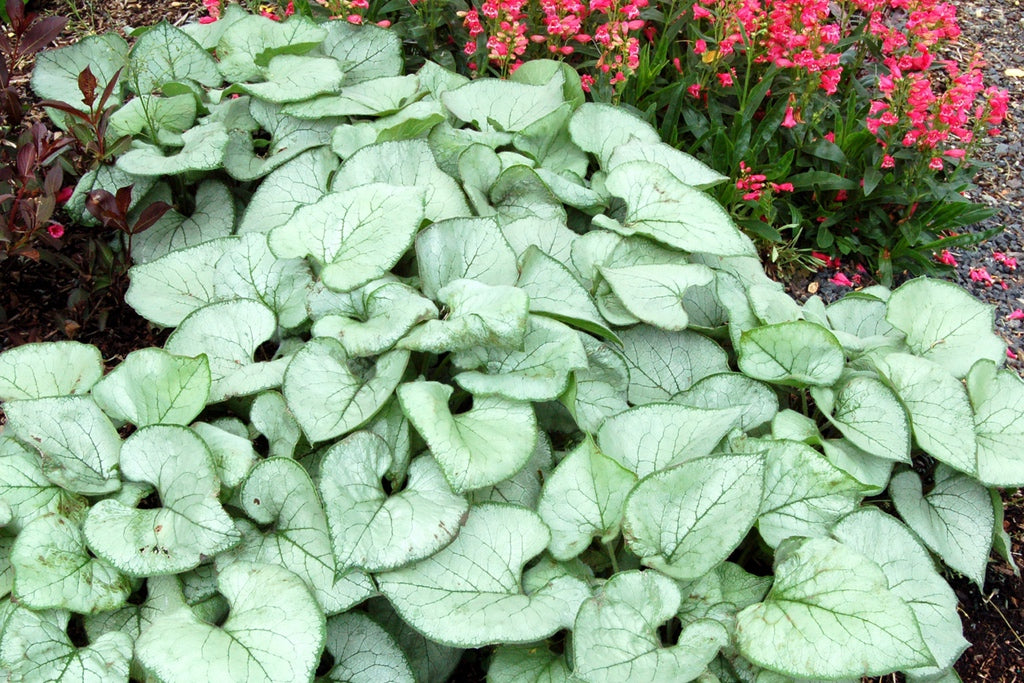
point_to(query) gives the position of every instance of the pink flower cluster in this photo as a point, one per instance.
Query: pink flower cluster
(610, 26)
(1008, 262)
(214, 7)
(504, 31)
(349, 10)
(917, 106)
(754, 184)
(946, 258)
(981, 275)
(910, 112)
(791, 34)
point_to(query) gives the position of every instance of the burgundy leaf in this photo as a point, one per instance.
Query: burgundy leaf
(124, 199)
(16, 12)
(54, 179)
(87, 86)
(67, 109)
(109, 90)
(10, 104)
(26, 158)
(150, 215)
(41, 34)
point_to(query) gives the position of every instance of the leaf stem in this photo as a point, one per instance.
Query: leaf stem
(610, 547)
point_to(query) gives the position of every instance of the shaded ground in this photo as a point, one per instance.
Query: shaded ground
(34, 299)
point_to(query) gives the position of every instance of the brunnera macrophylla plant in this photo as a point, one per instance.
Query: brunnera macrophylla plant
(475, 364)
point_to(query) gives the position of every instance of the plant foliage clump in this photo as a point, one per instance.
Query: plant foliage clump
(460, 364)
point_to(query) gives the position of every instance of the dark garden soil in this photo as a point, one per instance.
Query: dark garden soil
(42, 301)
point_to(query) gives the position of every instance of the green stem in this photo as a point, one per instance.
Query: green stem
(610, 547)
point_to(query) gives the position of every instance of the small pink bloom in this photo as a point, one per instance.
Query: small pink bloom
(700, 12)
(700, 47)
(56, 230)
(861, 269)
(65, 194)
(842, 195)
(207, 20)
(841, 280)
(1016, 315)
(790, 120)
(831, 137)
(935, 164)
(947, 258)
(955, 153)
(725, 79)
(781, 187)
(1010, 262)
(888, 161)
(694, 90)
(354, 19)
(1011, 355)
(384, 23)
(981, 275)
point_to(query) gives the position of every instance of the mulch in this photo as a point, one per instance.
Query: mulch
(38, 300)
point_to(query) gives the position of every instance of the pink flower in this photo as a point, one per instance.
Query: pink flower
(781, 187)
(694, 90)
(700, 12)
(1011, 355)
(56, 230)
(790, 120)
(888, 161)
(1016, 315)
(947, 258)
(981, 275)
(1009, 262)
(824, 258)
(831, 137)
(954, 153)
(65, 194)
(841, 280)
(935, 164)
(725, 79)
